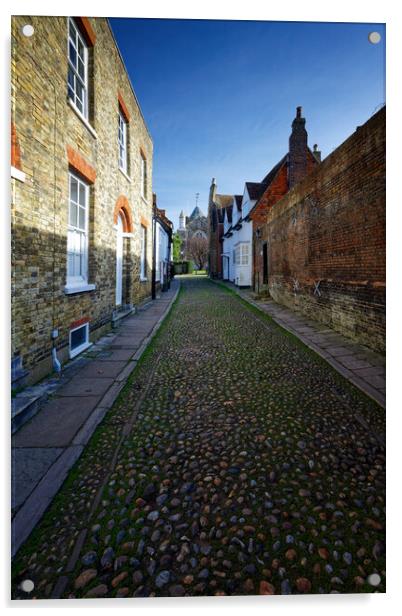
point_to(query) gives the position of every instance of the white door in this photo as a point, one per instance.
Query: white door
(119, 262)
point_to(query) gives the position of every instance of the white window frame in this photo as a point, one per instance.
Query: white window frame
(85, 345)
(83, 80)
(143, 252)
(143, 176)
(81, 280)
(122, 142)
(245, 254)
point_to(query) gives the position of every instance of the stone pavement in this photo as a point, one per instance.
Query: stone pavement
(46, 447)
(357, 363)
(236, 462)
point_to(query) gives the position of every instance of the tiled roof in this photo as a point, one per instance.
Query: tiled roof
(271, 174)
(223, 200)
(238, 199)
(255, 189)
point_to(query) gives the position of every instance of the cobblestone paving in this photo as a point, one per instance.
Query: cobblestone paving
(234, 462)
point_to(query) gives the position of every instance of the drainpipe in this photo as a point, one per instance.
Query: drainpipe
(55, 360)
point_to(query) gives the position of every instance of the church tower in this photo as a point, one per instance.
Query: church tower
(182, 221)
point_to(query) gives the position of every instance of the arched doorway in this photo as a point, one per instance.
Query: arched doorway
(123, 224)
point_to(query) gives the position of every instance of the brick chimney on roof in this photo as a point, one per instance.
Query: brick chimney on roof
(297, 169)
(212, 192)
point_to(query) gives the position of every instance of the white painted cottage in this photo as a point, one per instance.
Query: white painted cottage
(237, 248)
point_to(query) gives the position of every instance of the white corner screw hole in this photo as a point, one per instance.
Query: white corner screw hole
(27, 585)
(374, 37)
(27, 30)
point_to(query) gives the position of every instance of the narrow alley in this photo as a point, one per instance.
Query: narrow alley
(226, 466)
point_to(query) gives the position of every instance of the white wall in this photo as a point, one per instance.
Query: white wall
(161, 252)
(244, 237)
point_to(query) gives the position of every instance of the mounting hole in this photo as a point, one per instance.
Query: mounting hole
(27, 585)
(374, 579)
(28, 30)
(374, 37)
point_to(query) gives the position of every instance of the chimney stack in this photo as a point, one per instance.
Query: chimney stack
(297, 150)
(212, 192)
(316, 153)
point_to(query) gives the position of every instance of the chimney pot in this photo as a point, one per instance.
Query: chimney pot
(298, 112)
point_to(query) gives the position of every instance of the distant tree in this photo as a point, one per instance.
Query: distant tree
(176, 246)
(198, 250)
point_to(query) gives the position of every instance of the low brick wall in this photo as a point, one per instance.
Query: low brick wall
(326, 239)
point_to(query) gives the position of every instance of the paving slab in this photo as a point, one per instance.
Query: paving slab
(102, 369)
(115, 355)
(57, 422)
(28, 466)
(85, 387)
(350, 361)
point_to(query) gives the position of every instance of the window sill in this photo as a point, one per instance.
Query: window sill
(70, 289)
(82, 118)
(143, 279)
(17, 174)
(80, 349)
(125, 175)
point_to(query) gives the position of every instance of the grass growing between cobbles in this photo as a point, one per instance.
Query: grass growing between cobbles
(245, 472)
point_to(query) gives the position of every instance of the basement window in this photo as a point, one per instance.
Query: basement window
(79, 339)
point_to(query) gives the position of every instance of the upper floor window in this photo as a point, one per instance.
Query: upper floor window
(77, 235)
(77, 69)
(143, 176)
(122, 138)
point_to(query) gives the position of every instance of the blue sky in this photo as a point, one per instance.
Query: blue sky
(219, 96)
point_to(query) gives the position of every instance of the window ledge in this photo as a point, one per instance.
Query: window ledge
(80, 349)
(125, 175)
(143, 279)
(82, 118)
(69, 289)
(17, 174)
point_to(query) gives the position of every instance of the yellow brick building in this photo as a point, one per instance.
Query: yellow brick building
(81, 190)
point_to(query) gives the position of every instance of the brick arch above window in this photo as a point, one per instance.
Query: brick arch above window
(84, 26)
(15, 148)
(123, 209)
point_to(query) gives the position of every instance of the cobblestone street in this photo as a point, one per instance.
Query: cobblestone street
(235, 461)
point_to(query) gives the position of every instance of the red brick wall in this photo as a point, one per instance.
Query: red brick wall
(331, 228)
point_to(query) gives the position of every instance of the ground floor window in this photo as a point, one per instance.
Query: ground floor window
(77, 233)
(242, 254)
(245, 254)
(79, 339)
